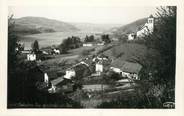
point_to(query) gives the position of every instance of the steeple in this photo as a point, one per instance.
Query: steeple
(151, 16)
(151, 23)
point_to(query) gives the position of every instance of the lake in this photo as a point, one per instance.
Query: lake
(56, 38)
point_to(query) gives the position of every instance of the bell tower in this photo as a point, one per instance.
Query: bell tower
(150, 23)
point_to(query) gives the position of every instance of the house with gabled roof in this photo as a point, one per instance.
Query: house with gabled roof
(126, 69)
(78, 70)
(54, 84)
(60, 84)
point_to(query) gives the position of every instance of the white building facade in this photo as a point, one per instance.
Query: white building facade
(46, 78)
(146, 29)
(70, 73)
(131, 36)
(119, 71)
(87, 44)
(99, 68)
(31, 57)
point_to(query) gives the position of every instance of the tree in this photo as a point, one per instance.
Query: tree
(63, 47)
(35, 46)
(86, 38)
(160, 67)
(12, 43)
(69, 43)
(89, 38)
(106, 38)
(164, 40)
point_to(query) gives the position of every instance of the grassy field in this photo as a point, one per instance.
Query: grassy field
(127, 51)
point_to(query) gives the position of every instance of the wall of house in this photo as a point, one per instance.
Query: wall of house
(56, 51)
(69, 74)
(135, 77)
(143, 31)
(117, 70)
(150, 24)
(52, 89)
(125, 74)
(148, 28)
(88, 45)
(130, 75)
(31, 57)
(99, 67)
(46, 78)
(100, 44)
(131, 37)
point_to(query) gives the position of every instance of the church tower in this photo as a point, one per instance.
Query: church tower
(150, 23)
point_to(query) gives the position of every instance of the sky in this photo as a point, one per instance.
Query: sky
(85, 14)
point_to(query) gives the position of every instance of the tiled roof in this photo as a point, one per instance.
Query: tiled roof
(127, 66)
(57, 81)
(131, 67)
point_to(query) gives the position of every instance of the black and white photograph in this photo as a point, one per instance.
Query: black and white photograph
(99, 57)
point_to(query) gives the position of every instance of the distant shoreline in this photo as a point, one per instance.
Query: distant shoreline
(54, 38)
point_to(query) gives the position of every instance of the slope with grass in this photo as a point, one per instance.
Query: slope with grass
(32, 25)
(132, 52)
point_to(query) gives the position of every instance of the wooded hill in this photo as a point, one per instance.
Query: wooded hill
(33, 25)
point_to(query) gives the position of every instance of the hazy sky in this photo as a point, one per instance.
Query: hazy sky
(103, 15)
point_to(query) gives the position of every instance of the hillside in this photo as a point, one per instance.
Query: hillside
(91, 27)
(129, 52)
(32, 25)
(131, 27)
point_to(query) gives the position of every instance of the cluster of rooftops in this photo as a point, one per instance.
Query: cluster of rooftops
(83, 68)
(124, 66)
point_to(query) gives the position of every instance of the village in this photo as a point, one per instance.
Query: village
(57, 63)
(87, 70)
